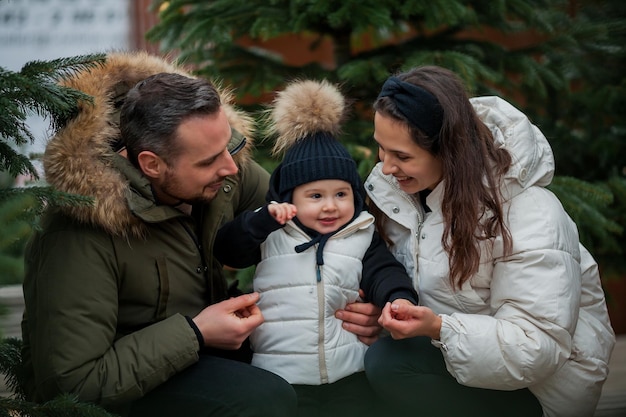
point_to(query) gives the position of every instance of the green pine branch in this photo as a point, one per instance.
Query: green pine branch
(14, 220)
(61, 406)
(12, 161)
(567, 76)
(587, 203)
(16, 228)
(10, 365)
(16, 405)
(36, 90)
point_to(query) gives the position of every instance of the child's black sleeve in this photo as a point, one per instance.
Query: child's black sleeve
(238, 242)
(384, 278)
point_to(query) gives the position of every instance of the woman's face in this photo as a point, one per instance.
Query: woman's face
(414, 168)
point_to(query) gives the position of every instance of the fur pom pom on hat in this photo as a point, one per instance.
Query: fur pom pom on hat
(306, 118)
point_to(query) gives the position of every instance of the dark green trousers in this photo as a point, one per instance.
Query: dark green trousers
(219, 387)
(351, 396)
(411, 376)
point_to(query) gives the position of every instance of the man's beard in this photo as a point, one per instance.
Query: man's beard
(170, 188)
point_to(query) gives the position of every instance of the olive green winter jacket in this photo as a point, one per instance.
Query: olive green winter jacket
(108, 286)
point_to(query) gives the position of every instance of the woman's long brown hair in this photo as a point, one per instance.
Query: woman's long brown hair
(472, 169)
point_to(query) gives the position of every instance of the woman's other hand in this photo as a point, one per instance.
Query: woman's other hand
(404, 320)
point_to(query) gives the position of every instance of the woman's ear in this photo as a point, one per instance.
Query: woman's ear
(151, 164)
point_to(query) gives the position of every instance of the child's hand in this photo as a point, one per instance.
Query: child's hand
(398, 314)
(282, 212)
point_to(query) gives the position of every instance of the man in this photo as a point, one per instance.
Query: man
(117, 292)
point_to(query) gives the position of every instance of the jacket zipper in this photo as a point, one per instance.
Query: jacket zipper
(320, 325)
(203, 263)
(419, 210)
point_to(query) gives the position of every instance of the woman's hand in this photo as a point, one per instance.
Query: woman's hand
(361, 319)
(404, 320)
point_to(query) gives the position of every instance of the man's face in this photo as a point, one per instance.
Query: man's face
(197, 173)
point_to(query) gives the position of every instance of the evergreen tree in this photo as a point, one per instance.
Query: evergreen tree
(587, 128)
(534, 53)
(16, 406)
(35, 89)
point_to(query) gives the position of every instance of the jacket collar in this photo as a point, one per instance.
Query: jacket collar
(140, 197)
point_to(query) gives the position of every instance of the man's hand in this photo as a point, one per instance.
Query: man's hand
(227, 324)
(361, 319)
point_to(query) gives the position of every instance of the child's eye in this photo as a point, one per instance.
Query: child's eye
(316, 196)
(341, 194)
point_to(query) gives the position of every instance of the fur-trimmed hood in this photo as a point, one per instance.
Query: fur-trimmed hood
(79, 159)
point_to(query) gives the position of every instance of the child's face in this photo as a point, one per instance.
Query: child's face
(324, 205)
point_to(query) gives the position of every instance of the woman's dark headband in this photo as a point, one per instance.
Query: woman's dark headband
(420, 107)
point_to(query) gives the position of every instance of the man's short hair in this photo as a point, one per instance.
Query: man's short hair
(155, 107)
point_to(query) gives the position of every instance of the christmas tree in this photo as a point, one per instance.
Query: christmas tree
(559, 61)
(33, 90)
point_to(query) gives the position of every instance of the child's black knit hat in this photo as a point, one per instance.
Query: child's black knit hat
(307, 118)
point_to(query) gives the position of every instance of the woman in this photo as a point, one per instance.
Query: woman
(509, 298)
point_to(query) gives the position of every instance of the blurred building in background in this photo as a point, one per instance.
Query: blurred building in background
(49, 29)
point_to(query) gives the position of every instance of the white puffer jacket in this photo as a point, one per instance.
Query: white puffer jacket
(301, 340)
(536, 318)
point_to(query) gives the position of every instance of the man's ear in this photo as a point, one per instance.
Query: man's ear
(151, 164)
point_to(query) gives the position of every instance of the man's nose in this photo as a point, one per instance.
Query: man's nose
(229, 167)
